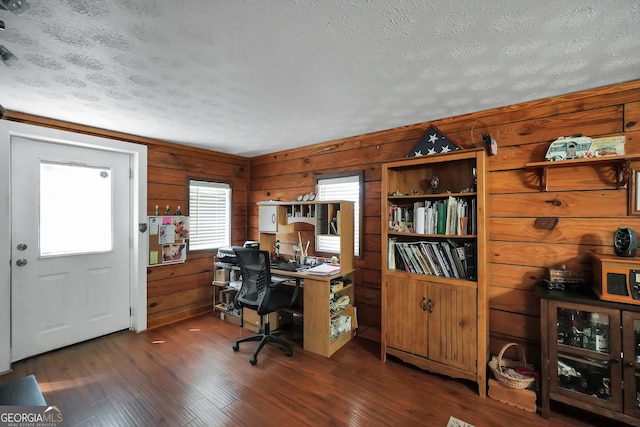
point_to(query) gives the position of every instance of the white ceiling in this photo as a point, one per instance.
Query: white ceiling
(250, 77)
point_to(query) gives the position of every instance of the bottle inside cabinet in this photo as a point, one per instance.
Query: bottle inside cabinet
(583, 329)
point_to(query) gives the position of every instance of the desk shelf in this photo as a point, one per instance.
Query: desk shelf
(223, 293)
(317, 318)
(306, 220)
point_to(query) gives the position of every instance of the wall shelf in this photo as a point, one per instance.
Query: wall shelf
(621, 163)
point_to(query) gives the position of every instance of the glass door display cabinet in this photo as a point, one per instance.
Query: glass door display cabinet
(631, 362)
(590, 355)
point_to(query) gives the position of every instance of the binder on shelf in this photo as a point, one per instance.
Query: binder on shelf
(391, 254)
(441, 208)
(472, 219)
(419, 220)
(448, 252)
(457, 253)
(470, 258)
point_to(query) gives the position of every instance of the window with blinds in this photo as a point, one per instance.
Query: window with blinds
(209, 215)
(343, 187)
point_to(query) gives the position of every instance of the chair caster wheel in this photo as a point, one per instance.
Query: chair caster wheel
(236, 347)
(253, 361)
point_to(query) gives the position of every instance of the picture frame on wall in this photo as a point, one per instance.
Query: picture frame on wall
(634, 192)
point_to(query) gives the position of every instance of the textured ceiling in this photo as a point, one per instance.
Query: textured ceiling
(250, 77)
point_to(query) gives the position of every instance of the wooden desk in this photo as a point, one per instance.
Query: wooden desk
(316, 311)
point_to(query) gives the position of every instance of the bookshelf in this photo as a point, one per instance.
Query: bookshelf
(434, 269)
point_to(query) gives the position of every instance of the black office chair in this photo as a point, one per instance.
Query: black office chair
(259, 293)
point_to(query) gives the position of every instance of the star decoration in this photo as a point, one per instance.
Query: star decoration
(417, 154)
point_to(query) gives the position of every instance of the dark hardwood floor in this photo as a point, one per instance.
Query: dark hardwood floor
(186, 374)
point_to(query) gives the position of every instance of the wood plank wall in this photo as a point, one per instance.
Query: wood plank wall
(586, 201)
(177, 291)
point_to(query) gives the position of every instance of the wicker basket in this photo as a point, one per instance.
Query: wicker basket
(504, 378)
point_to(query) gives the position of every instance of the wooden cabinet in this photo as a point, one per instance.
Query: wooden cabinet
(267, 218)
(406, 320)
(434, 289)
(590, 354)
(631, 362)
(320, 335)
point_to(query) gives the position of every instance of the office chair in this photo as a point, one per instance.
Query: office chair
(259, 293)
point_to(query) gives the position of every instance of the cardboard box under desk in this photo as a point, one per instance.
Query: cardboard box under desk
(251, 319)
(520, 398)
(222, 275)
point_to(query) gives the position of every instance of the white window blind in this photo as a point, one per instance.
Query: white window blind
(209, 215)
(342, 188)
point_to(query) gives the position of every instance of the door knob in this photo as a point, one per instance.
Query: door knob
(21, 262)
(21, 246)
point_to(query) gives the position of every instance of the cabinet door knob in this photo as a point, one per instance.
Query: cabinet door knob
(424, 304)
(430, 305)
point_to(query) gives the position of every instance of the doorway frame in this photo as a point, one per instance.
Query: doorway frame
(138, 261)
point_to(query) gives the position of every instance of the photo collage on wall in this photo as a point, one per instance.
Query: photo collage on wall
(168, 237)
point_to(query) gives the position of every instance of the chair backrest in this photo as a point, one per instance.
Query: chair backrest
(256, 276)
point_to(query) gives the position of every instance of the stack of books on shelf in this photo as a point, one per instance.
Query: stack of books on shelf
(442, 258)
(450, 216)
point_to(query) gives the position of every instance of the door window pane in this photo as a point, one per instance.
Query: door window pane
(75, 209)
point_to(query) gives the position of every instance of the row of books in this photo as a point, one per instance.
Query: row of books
(451, 216)
(442, 258)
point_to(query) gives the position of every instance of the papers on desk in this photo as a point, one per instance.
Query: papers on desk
(235, 284)
(324, 269)
(275, 278)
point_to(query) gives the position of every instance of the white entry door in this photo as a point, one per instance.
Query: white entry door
(70, 245)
